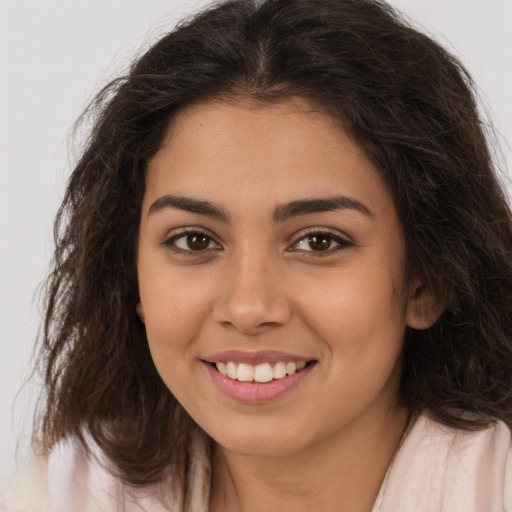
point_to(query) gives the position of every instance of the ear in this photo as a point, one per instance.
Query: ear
(140, 311)
(423, 308)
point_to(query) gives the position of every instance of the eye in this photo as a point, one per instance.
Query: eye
(321, 243)
(191, 241)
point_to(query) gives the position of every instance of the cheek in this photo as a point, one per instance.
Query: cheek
(174, 311)
(355, 311)
(361, 324)
(172, 323)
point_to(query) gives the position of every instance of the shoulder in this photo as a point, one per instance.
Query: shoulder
(71, 479)
(85, 481)
(444, 468)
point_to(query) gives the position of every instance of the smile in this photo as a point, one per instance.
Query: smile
(256, 381)
(261, 373)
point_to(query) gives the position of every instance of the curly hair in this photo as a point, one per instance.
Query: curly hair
(406, 102)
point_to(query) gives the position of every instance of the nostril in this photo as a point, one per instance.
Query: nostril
(249, 328)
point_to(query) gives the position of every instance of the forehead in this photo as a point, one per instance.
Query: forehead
(246, 153)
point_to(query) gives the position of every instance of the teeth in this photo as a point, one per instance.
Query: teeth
(279, 370)
(223, 368)
(232, 370)
(291, 368)
(263, 373)
(259, 373)
(245, 372)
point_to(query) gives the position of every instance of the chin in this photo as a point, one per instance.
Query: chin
(261, 442)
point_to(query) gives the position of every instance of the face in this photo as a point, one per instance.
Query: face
(271, 271)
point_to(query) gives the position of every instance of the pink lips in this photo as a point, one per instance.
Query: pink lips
(254, 393)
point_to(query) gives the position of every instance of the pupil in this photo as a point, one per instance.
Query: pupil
(197, 242)
(319, 242)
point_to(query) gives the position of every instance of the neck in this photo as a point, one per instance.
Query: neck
(341, 473)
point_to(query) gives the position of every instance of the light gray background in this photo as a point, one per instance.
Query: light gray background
(54, 54)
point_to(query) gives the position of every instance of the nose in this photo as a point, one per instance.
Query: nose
(252, 299)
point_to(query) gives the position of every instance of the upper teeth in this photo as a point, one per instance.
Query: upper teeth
(259, 373)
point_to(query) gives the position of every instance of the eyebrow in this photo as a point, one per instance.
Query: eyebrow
(318, 205)
(282, 212)
(189, 204)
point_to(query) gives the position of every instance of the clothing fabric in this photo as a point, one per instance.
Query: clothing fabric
(436, 469)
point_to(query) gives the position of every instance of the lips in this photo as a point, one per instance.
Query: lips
(255, 378)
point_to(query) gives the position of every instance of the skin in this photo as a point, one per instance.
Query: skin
(255, 283)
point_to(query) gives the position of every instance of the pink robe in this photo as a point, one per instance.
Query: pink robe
(436, 469)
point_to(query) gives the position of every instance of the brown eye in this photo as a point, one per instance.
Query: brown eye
(319, 242)
(198, 242)
(191, 242)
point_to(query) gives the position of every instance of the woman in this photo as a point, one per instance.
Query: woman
(282, 277)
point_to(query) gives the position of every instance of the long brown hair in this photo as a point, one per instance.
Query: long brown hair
(408, 104)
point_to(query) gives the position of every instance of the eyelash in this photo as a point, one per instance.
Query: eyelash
(183, 233)
(332, 235)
